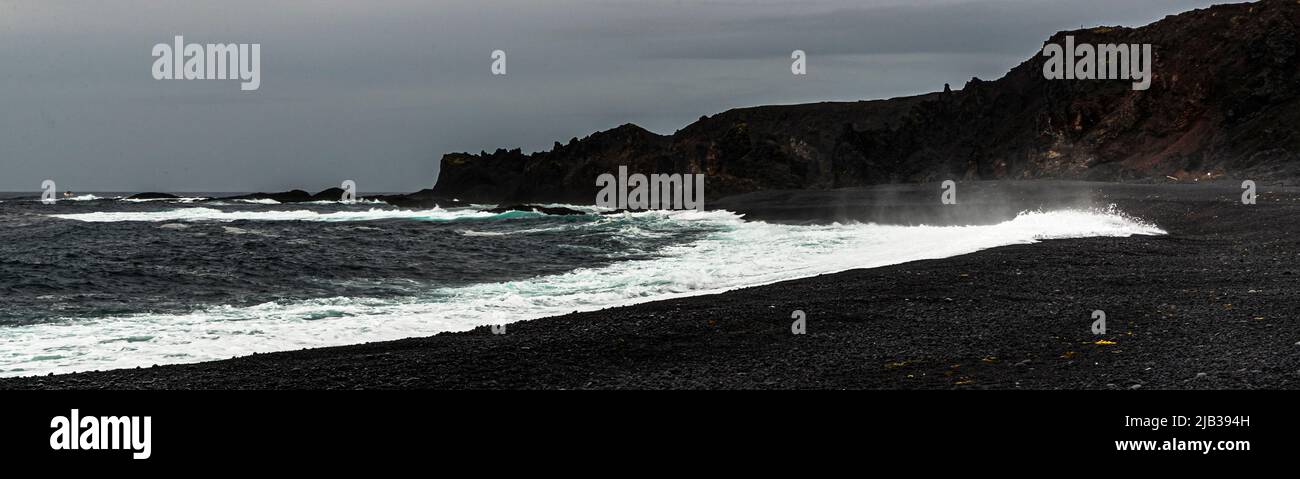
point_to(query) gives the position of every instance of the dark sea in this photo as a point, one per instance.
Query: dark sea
(100, 282)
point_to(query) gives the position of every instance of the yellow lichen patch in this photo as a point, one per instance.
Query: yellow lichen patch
(1069, 355)
(1104, 342)
(964, 381)
(896, 364)
(990, 359)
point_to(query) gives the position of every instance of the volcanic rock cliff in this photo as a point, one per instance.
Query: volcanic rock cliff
(1223, 101)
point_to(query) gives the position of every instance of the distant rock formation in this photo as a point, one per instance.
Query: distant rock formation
(329, 194)
(546, 210)
(293, 196)
(152, 196)
(1224, 102)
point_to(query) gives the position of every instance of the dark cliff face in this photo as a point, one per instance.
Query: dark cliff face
(1223, 101)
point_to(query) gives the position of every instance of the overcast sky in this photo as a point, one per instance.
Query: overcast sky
(376, 91)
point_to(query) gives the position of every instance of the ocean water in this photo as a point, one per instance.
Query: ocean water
(99, 282)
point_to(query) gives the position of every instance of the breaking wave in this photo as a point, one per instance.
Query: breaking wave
(736, 254)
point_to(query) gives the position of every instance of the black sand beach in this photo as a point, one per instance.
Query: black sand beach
(1211, 305)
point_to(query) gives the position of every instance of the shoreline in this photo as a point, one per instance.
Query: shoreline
(1181, 311)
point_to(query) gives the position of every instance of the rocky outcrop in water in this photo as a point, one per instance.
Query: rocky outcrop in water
(293, 196)
(152, 196)
(546, 210)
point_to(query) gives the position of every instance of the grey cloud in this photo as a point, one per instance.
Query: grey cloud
(378, 91)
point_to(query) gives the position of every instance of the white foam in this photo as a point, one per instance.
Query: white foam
(164, 200)
(480, 233)
(64, 198)
(213, 214)
(366, 201)
(75, 198)
(269, 201)
(740, 254)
